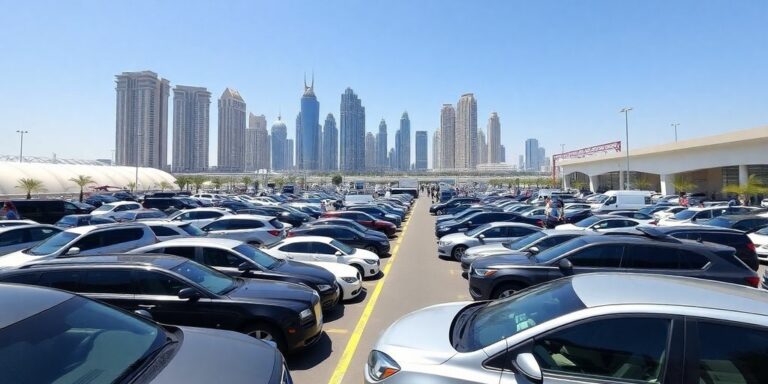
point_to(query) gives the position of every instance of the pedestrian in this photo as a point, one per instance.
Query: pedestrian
(547, 206)
(9, 211)
(683, 200)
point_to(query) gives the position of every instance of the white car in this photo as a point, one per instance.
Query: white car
(264, 200)
(118, 206)
(601, 223)
(84, 241)
(167, 230)
(319, 248)
(16, 238)
(764, 203)
(669, 212)
(14, 223)
(252, 229)
(210, 198)
(200, 217)
(760, 239)
(348, 278)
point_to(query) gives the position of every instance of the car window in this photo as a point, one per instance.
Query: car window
(90, 241)
(630, 349)
(649, 257)
(598, 256)
(216, 257)
(321, 248)
(106, 281)
(517, 231)
(611, 200)
(186, 252)
(157, 283)
(66, 280)
(691, 260)
(300, 247)
(160, 230)
(121, 235)
(208, 215)
(729, 353)
(219, 225)
(14, 236)
(551, 241)
(703, 215)
(245, 224)
(495, 232)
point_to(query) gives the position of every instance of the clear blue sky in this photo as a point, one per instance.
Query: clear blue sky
(558, 71)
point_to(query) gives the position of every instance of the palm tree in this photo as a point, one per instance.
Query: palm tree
(217, 182)
(131, 186)
(336, 179)
(82, 181)
(751, 188)
(198, 181)
(683, 185)
(246, 180)
(30, 186)
(182, 181)
(642, 183)
(164, 185)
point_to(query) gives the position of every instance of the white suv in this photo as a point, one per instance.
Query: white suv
(320, 248)
(118, 206)
(251, 229)
(84, 241)
(167, 230)
(200, 217)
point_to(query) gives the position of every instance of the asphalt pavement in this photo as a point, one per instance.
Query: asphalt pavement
(414, 277)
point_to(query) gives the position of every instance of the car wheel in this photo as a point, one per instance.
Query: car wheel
(360, 270)
(371, 248)
(458, 252)
(506, 290)
(266, 332)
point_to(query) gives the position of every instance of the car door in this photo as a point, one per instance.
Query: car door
(298, 251)
(493, 235)
(113, 286)
(12, 240)
(725, 352)
(323, 252)
(593, 258)
(223, 260)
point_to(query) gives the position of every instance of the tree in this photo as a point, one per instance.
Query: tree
(198, 181)
(164, 185)
(683, 184)
(579, 185)
(131, 186)
(247, 180)
(337, 179)
(217, 182)
(82, 181)
(642, 183)
(751, 188)
(182, 181)
(30, 186)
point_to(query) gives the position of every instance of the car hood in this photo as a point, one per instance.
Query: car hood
(511, 259)
(18, 258)
(363, 254)
(423, 336)
(311, 272)
(454, 237)
(272, 290)
(338, 269)
(375, 235)
(488, 249)
(447, 223)
(238, 358)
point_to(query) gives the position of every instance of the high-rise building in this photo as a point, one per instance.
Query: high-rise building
(289, 164)
(466, 132)
(141, 136)
(393, 156)
(191, 123)
(370, 151)
(421, 139)
(494, 139)
(502, 154)
(257, 144)
(531, 155)
(482, 148)
(542, 159)
(448, 137)
(382, 161)
(436, 150)
(404, 148)
(330, 144)
(521, 162)
(394, 159)
(231, 132)
(279, 136)
(351, 132)
(308, 135)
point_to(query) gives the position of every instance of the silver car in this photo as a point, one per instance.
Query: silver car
(455, 244)
(591, 328)
(16, 238)
(252, 229)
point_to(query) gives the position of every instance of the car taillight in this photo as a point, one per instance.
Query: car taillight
(751, 246)
(753, 281)
(540, 223)
(275, 232)
(290, 234)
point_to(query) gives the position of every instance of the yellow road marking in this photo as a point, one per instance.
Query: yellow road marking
(336, 330)
(354, 340)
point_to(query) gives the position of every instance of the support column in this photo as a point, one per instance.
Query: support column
(621, 181)
(667, 184)
(593, 180)
(566, 182)
(743, 175)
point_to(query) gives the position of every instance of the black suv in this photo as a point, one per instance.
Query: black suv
(477, 219)
(746, 223)
(372, 241)
(496, 277)
(178, 291)
(440, 208)
(45, 211)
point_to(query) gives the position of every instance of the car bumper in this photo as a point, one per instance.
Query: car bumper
(480, 288)
(330, 298)
(306, 334)
(444, 250)
(350, 290)
(372, 269)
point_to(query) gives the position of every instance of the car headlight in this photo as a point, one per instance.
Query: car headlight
(306, 314)
(350, 280)
(444, 243)
(323, 287)
(372, 262)
(485, 271)
(381, 366)
(442, 228)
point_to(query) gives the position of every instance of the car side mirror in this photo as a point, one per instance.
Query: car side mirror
(565, 266)
(481, 237)
(534, 250)
(189, 293)
(338, 254)
(72, 251)
(693, 219)
(245, 267)
(143, 313)
(527, 365)
(469, 222)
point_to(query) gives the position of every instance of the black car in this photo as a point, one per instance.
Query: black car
(71, 221)
(236, 205)
(124, 196)
(346, 223)
(496, 277)
(746, 223)
(479, 218)
(378, 213)
(178, 291)
(372, 242)
(305, 209)
(452, 203)
(294, 218)
(98, 200)
(168, 204)
(84, 341)
(138, 215)
(46, 211)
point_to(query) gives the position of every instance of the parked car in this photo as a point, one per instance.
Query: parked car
(456, 244)
(746, 223)
(167, 230)
(292, 217)
(16, 238)
(623, 200)
(371, 241)
(99, 199)
(377, 212)
(496, 277)
(77, 336)
(440, 208)
(252, 229)
(118, 206)
(140, 214)
(639, 216)
(593, 328)
(326, 249)
(238, 259)
(169, 204)
(199, 217)
(695, 215)
(72, 221)
(364, 219)
(14, 223)
(46, 211)
(83, 241)
(601, 223)
(760, 240)
(346, 223)
(477, 219)
(179, 291)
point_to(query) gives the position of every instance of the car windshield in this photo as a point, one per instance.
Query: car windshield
(720, 222)
(558, 250)
(105, 208)
(477, 230)
(684, 215)
(525, 241)
(192, 230)
(588, 221)
(208, 278)
(762, 231)
(501, 319)
(257, 256)
(343, 247)
(52, 244)
(78, 340)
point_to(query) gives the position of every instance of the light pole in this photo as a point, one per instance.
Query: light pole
(675, 125)
(21, 145)
(625, 111)
(138, 156)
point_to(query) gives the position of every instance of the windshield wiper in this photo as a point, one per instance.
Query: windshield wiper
(147, 358)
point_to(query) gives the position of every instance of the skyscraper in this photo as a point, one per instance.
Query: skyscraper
(279, 137)
(521, 162)
(494, 138)
(370, 151)
(392, 157)
(531, 155)
(404, 149)
(257, 145)
(191, 107)
(330, 144)
(352, 132)
(502, 154)
(448, 137)
(307, 139)
(421, 140)
(289, 149)
(466, 132)
(141, 135)
(381, 146)
(231, 132)
(482, 148)
(542, 159)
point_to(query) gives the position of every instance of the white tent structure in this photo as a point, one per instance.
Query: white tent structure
(55, 177)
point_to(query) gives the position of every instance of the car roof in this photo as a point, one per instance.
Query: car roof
(198, 242)
(618, 237)
(247, 217)
(556, 232)
(27, 226)
(161, 261)
(511, 224)
(694, 228)
(116, 203)
(22, 301)
(302, 239)
(90, 228)
(739, 217)
(162, 221)
(600, 289)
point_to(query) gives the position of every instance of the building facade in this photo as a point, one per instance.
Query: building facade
(494, 138)
(382, 160)
(288, 159)
(351, 132)
(436, 150)
(421, 139)
(279, 137)
(330, 144)
(231, 151)
(482, 148)
(370, 151)
(502, 154)
(307, 130)
(404, 148)
(448, 137)
(466, 132)
(531, 155)
(191, 125)
(141, 131)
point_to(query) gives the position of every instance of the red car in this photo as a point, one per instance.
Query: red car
(364, 219)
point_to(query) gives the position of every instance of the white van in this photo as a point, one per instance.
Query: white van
(623, 200)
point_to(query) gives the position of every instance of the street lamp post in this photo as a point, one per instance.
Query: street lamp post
(625, 111)
(675, 126)
(21, 145)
